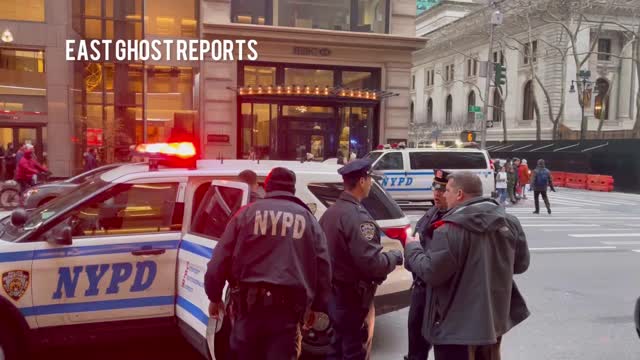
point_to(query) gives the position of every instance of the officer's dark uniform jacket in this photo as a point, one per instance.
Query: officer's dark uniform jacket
(425, 229)
(274, 241)
(476, 249)
(354, 257)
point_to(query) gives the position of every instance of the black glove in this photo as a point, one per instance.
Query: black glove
(396, 255)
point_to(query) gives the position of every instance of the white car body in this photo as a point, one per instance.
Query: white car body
(408, 173)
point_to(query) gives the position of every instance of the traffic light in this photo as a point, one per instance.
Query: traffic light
(468, 136)
(500, 74)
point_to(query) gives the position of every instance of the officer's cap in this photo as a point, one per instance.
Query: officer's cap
(359, 167)
(440, 179)
(280, 179)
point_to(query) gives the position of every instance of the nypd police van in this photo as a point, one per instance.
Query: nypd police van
(128, 251)
(408, 173)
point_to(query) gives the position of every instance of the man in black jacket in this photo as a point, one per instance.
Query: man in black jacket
(469, 267)
(274, 255)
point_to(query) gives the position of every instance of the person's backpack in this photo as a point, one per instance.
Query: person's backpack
(542, 179)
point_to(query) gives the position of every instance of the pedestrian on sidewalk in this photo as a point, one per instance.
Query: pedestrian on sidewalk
(516, 185)
(512, 178)
(540, 181)
(472, 299)
(501, 186)
(524, 176)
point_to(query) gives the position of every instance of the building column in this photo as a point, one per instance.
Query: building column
(625, 96)
(394, 111)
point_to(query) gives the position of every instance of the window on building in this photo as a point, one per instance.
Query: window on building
(413, 82)
(255, 76)
(430, 111)
(358, 80)
(528, 101)
(23, 82)
(390, 161)
(310, 77)
(171, 18)
(601, 105)
(252, 12)
(471, 101)
(604, 49)
(344, 15)
(449, 111)
(497, 106)
(449, 73)
(411, 112)
(429, 77)
(531, 52)
(472, 67)
(110, 19)
(22, 10)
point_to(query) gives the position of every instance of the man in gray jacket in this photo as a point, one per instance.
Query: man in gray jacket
(476, 250)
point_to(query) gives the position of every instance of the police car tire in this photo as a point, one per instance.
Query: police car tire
(8, 344)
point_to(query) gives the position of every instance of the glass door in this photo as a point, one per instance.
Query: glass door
(14, 137)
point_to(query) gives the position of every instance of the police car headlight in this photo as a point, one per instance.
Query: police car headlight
(322, 322)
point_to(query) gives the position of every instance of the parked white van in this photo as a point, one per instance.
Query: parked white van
(408, 173)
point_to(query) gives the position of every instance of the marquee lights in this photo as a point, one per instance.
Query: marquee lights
(315, 91)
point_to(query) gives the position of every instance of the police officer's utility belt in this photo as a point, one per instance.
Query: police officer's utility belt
(359, 293)
(248, 297)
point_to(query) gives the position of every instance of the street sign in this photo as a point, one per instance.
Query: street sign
(474, 109)
(479, 116)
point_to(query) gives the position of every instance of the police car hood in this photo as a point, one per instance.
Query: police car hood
(477, 215)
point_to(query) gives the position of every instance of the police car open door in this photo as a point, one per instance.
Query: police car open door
(208, 223)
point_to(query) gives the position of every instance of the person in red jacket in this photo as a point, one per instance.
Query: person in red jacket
(524, 176)
(27, 168)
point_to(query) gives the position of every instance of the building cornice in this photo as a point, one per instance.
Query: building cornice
(314, 36)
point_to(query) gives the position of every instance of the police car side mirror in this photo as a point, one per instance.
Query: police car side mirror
(63, 237)
(18, 217)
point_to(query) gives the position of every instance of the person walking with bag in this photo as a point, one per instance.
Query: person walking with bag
(540, 181)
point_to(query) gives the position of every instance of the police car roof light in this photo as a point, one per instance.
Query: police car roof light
(183, 150)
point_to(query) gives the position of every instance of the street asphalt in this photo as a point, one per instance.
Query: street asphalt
(581, 287)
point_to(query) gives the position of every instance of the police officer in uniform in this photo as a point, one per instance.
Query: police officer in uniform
(275, 257)
(357, 260)
(418, 346)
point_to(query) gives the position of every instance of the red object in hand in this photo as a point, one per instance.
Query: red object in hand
(398, 233)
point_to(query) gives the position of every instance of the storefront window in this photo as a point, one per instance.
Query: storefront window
(172, 18)
(358, 80)
(311, 77)
(22, 10)
(259, 76)
(361, 125)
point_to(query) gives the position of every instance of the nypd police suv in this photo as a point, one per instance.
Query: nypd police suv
(408, 173)
(128, 250)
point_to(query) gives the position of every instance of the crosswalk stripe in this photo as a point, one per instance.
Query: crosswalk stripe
(573, 248)
(600, 218)
(600, 229)
(621, 242)
(604, 235)
(560, 225)
(638, 251)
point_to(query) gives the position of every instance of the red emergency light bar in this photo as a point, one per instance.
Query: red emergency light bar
(173, 154)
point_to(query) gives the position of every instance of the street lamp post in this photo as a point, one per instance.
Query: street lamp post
(586, 86)
(496, 19)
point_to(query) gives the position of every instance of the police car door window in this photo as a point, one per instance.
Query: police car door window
(390, 161)
(218, 206)
(447, 160)
(127, 209)
(379, 204)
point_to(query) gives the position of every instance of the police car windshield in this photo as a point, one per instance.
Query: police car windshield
(374, 155)
(50, 209)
